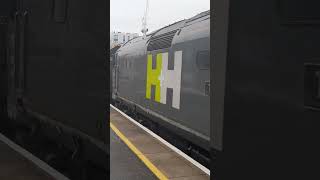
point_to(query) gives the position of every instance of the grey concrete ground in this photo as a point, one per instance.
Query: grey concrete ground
(124, 164)
(168, 162)
(14, 166)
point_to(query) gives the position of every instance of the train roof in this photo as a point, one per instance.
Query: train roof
(200, 15)
(181, 23)
(114, 49)
(163, 37)
(171, 29)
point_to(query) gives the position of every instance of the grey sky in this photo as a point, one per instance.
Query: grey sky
(126, 15)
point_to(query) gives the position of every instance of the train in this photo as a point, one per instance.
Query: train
(55, 82)
(163, 79)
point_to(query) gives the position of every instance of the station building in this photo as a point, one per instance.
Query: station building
(117, 38)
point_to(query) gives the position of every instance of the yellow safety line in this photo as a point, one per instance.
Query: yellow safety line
(141, 156)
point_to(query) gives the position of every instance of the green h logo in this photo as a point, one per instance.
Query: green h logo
(153, 76)
(162, 78)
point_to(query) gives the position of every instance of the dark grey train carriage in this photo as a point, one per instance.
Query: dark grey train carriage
(165, 77)
(266, 105)
(56, 85)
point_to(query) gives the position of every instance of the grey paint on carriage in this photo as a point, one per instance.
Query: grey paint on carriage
(194, 112)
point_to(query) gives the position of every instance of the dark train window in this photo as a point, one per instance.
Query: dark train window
(59, 10)
(207, 88)
(203, 60)
(312, 86)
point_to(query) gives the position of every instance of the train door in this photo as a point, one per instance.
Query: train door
(3, 83)
(115, 74)
(8, 20)
(111, 66)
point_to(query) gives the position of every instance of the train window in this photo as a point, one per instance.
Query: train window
(207, 88)
(203, 60)
(312, 86)
(59, 10)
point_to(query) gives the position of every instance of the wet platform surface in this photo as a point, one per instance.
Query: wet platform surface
(15, 166)
(163, 160)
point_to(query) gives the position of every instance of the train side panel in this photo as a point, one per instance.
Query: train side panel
(190, 113)
(59, 58)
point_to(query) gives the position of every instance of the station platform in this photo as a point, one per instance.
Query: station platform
(18, 164)
(135, 154)
(124, 164)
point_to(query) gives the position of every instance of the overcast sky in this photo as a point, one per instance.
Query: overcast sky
(126, 15)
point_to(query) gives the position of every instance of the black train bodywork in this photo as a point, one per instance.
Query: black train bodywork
(57, 75)
(6, 9)
(184, 110)
(265, 113)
